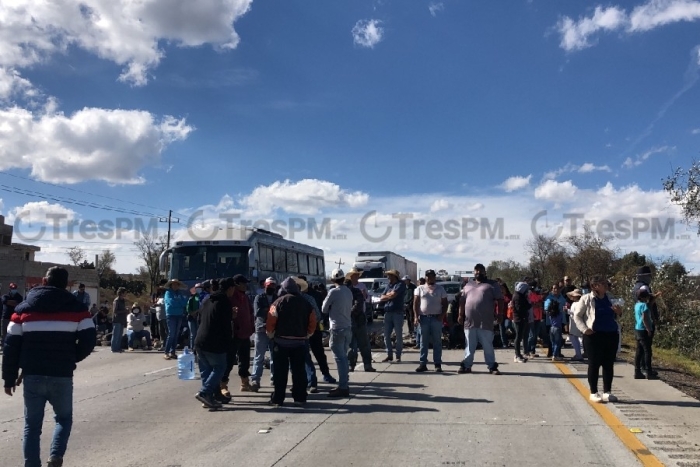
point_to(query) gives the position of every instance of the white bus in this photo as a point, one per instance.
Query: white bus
(255, 253)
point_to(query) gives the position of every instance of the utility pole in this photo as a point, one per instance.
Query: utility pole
(339, 262)
(170, 219)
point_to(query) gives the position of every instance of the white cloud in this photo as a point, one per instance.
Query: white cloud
(41, 212)
(122, 31)
(576, 35)
(588, 167)
(91, 144)
(13, 85)
(307, 196)
(515, 183)
(367, 33)
(551, 190)
(436, 7)
(641, 158)
(695, 131)
(440, 205)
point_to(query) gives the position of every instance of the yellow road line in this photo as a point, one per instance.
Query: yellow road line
(628, 439)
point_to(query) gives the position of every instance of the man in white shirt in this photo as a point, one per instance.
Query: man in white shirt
(429, 308)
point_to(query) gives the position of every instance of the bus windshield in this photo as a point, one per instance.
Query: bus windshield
(197, 262)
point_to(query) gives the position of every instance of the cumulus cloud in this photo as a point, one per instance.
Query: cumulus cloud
(41, 212)
(586, 167)
(641, 158)
(12, 84)
(436, 7)
(122, 31)
(307, 196)
(551, 190)
(589, 167)
(577, 35)
(91, 144)
(440, 205)
(367, 33)
(515, 183)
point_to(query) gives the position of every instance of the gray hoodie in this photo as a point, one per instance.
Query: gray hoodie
(338, 307)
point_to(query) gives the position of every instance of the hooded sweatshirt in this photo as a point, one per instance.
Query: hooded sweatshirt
(243, 326)
(338, 307)
(215, 333)
(48, 334)
(291, 317)
(135, 321)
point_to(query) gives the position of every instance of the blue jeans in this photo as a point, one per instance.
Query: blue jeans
(555, 337)
(117, 333)
(393, 321)
(310, 367)
(131, 335)
(503, 328)
(535, 329)
(194, 326)
(485, 338)
(262, 345)
(211, 368)
(174, 325)
(340, 343)
(431, 333)
(419, 337)
(38, 390)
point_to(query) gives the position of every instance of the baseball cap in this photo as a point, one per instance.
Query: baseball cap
(240, 279)
(406, 278)
(429, 272)
(270, 281)
(337, 274)
(13, 285)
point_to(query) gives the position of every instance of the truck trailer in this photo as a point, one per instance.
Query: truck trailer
(375, 264)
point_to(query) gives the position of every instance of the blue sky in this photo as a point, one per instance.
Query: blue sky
(334, 109)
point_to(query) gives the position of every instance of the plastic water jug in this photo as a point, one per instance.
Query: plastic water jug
(185, 365)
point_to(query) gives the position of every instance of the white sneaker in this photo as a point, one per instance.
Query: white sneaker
(595, 398)
(607, 397)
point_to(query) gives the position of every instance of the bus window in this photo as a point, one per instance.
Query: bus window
(292, 261)
(303, 263)
(320, 266)
(313, 270)
(265, 262)
(280, 260)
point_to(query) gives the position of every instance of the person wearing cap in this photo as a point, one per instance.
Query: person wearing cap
(135, 328)
(9, 301)
(243, 328)
(174, 301)
(644, 280)
(83, 296)
(575, 335)
(408, 304)
(261, 307)
(394, 296)
(290, 323)
(338, 307)
(429, 308)
(360, 338)
(476, 313)
(643, 329)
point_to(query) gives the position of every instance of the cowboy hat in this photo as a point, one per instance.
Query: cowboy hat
(574, 293)
(303, 285)
(177, 283)
(352, 272)
(393, 272)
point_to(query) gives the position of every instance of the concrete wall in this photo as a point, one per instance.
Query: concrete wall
(27, 274)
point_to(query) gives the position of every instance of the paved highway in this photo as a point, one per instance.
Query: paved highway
(132, 411)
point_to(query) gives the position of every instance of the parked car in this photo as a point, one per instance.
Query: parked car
(451, 287)
(377, 306)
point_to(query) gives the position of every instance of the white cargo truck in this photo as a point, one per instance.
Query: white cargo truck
(375, 264)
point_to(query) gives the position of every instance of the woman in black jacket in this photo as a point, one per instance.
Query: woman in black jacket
(521, 317)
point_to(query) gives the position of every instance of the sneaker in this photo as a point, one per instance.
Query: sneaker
(494, 371)
(639, 375)
(577, 359)
(207, 400)
(387, 360)
(273, 403)
(131, 349)
(652, 375)
(55, 462)
(519, 360)
(534, 355)
(438, 369)
(351, 368)
(218, 397)
(607, 397)
(462, 370)
(337, 392)
(370, 370)
(329, 379)
(173, 355)
(595, 398)
(299, 403)
(398, 359)
(167, 357)
(313, 389)
(422, 368)
(254, 387)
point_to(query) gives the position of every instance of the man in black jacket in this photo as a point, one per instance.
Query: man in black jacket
(9, 302)
(48, 334)
(214, 339)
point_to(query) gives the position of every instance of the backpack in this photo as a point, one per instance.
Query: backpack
(553, 308)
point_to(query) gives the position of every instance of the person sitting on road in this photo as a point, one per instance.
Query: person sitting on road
(135, 328)
(101, 320)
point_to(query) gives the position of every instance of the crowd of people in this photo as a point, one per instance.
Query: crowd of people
(49, 332)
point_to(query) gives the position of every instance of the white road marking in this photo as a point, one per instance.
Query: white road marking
(158, 371)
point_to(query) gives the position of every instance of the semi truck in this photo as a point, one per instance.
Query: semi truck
(375, 264)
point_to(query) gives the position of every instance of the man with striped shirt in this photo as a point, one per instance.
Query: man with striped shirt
(48, 334)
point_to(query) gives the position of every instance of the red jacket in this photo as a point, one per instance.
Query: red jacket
(537, 305)
(243, 323)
